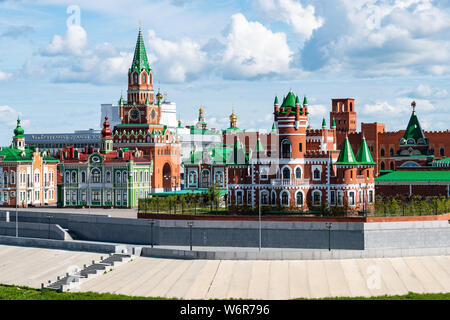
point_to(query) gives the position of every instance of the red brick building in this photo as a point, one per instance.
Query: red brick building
(141, 126)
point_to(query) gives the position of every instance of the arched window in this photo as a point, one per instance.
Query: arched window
(391, 152)
(13, 177)
(124, 177)
(205, 178)
(317, 197)
(286, 149)
(135, 78)
(383, 166)
(141, 177)
(219, 178)
(382, 152)
(273, 198)
(264, 198)
(286, 173)
(298, 173)
(67, 177)
(144, 78)
(74, 177)
(285, 198)
(351, 106)
(118, 177)
(316, 174)
(95, 176)
(351, 198)
(442, 152)
(83, 177)
(299, 198)
(392, 165)
(108, 177)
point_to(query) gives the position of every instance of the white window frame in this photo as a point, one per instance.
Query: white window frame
(303, 198)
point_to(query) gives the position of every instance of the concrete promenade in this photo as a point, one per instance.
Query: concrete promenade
(253, 279)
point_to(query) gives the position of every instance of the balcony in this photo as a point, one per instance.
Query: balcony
(289, 182)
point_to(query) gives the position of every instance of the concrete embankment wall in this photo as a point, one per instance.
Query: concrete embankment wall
(34, 230)
(232, 233)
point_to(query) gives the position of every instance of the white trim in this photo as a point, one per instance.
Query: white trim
(303, 198)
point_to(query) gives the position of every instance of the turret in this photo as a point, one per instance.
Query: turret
(276, 105)
(107, 139)
(19, 140)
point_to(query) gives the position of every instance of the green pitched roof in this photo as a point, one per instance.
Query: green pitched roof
(415, 176)
(11, 154)
(289, 101)
(259, 146)
(140, 60)
(363, 155)
(346, 156)
(414, 130)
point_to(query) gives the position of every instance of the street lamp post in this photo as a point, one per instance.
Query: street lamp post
(190, 224)
(329, 225)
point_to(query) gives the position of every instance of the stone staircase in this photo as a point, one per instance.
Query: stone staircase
(74, 279)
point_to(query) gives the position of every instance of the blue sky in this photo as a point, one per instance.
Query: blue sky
(56, 70)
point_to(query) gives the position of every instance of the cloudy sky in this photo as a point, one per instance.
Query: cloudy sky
(61, 59)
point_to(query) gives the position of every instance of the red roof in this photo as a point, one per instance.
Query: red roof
(68, 156)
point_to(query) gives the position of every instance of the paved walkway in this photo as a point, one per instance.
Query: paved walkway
(27, 266)
(211, 279)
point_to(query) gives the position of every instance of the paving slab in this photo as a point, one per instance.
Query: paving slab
(203, 281)
(221, 283)
(298, 280)
(258, 287)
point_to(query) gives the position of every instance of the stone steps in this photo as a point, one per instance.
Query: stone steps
(77, 277)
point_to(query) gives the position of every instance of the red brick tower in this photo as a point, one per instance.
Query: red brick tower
(344, 113)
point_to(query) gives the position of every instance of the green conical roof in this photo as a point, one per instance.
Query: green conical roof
(324, 123)
(289, 101)
(121, 101)
(346, 156)
(274, 127)
(414, 130)
(305, 101)
(276, 100)
(333, 125)
(297, 100)
(259, 146)
(363, 155)
(140, 60)
(18, 131)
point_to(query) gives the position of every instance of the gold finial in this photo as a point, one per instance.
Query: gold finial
(201, 110)
(140, 23)
(233, 117)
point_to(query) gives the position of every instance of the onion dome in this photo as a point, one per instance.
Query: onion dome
(106, 132)
(233, 117)
(18, 131)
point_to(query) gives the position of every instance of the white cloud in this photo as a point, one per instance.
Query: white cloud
(425, 91)
(5, 76)
(401, 106)
(303, 20)
(72, 43)
(8, 117)
(252, 50)
(176, 61)
(392, 38)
